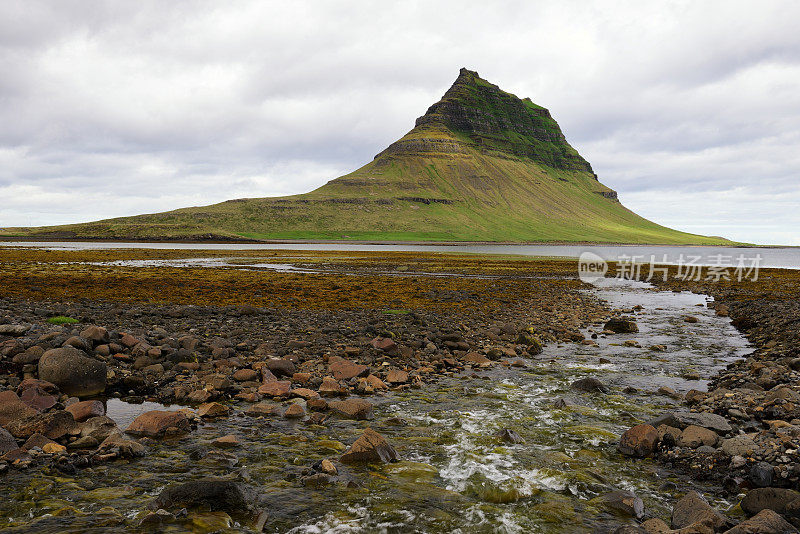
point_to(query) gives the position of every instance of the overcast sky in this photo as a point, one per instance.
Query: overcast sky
(690, 110)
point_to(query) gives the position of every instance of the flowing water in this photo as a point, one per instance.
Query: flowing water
(455, 475)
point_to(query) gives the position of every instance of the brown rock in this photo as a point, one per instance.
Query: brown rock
(276, 389)
(227, 442)
(477, 359)
(279, 367)
(319, 405)
(7, 441)
(694, 436)
(84, 410)
(294, 411)
(211, 410)
(245, 375)
(305, 393)
(764, 522)
(326, 466)
(198, 396)
(693, 508)
(122, 446)
(54, 448)
(776, 499)
(385, 344)
(301, 378)
(343, 369)
(157, 423)
(37, 440)
(45, 387)
(358, 409)
(396, 376)
(263, 409)
(376, 383)
(370, 447)
(38, 399)
(639, 441)
(13, 409)
(96, 334)
(53, 425)
(73, 372)
(129, 341)
(331, 388)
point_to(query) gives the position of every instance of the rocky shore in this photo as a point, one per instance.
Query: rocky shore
(224, 356)
(744, 432)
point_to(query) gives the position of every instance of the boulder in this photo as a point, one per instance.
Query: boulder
(761, 474)
(376, 383)
(385, 344)
(73, 372)
(764, 522)
(279, 388)
(358, 409)
(53, 425)
(7, 442)
(279, 367)
(370, 447)
(589, 385)
(96, 334)
(741, 445)
(84, 410)
(621, 325)
(157, 423)
(478, 359)
(218, 494)
(775, 499)
(13, 409)
(304, 393)
(693, 508)
(14, 330)
(246, 375)
(682, 419)
(620, 501)
(396, 376)
(343, 369)
(331, 388)
(37, 440)
(38, 399)
(638, 441)
(263, 409)
(212, 409)
(99, 428)
(294, 411)
(694, 436)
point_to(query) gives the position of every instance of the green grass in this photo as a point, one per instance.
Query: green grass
(60, 319)
(500, 185)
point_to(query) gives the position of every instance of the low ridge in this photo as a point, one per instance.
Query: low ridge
(480, 165)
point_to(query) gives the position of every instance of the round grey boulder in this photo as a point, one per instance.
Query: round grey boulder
(73, 372)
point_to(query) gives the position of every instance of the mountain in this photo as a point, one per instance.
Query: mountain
(479, 165)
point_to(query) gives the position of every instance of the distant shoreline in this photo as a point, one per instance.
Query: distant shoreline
(372, 242)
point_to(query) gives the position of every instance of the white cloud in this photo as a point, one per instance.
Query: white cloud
(117, 108)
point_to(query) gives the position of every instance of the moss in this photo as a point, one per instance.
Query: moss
(62, 320)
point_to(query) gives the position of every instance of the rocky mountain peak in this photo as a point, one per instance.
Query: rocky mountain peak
(484, 116)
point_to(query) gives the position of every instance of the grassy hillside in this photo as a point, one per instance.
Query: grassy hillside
(480, 165)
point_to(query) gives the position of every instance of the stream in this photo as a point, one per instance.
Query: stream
(455, 475)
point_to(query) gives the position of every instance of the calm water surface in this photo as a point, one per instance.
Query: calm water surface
(786, 257)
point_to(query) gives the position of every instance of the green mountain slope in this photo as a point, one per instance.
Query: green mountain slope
(480, 165)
